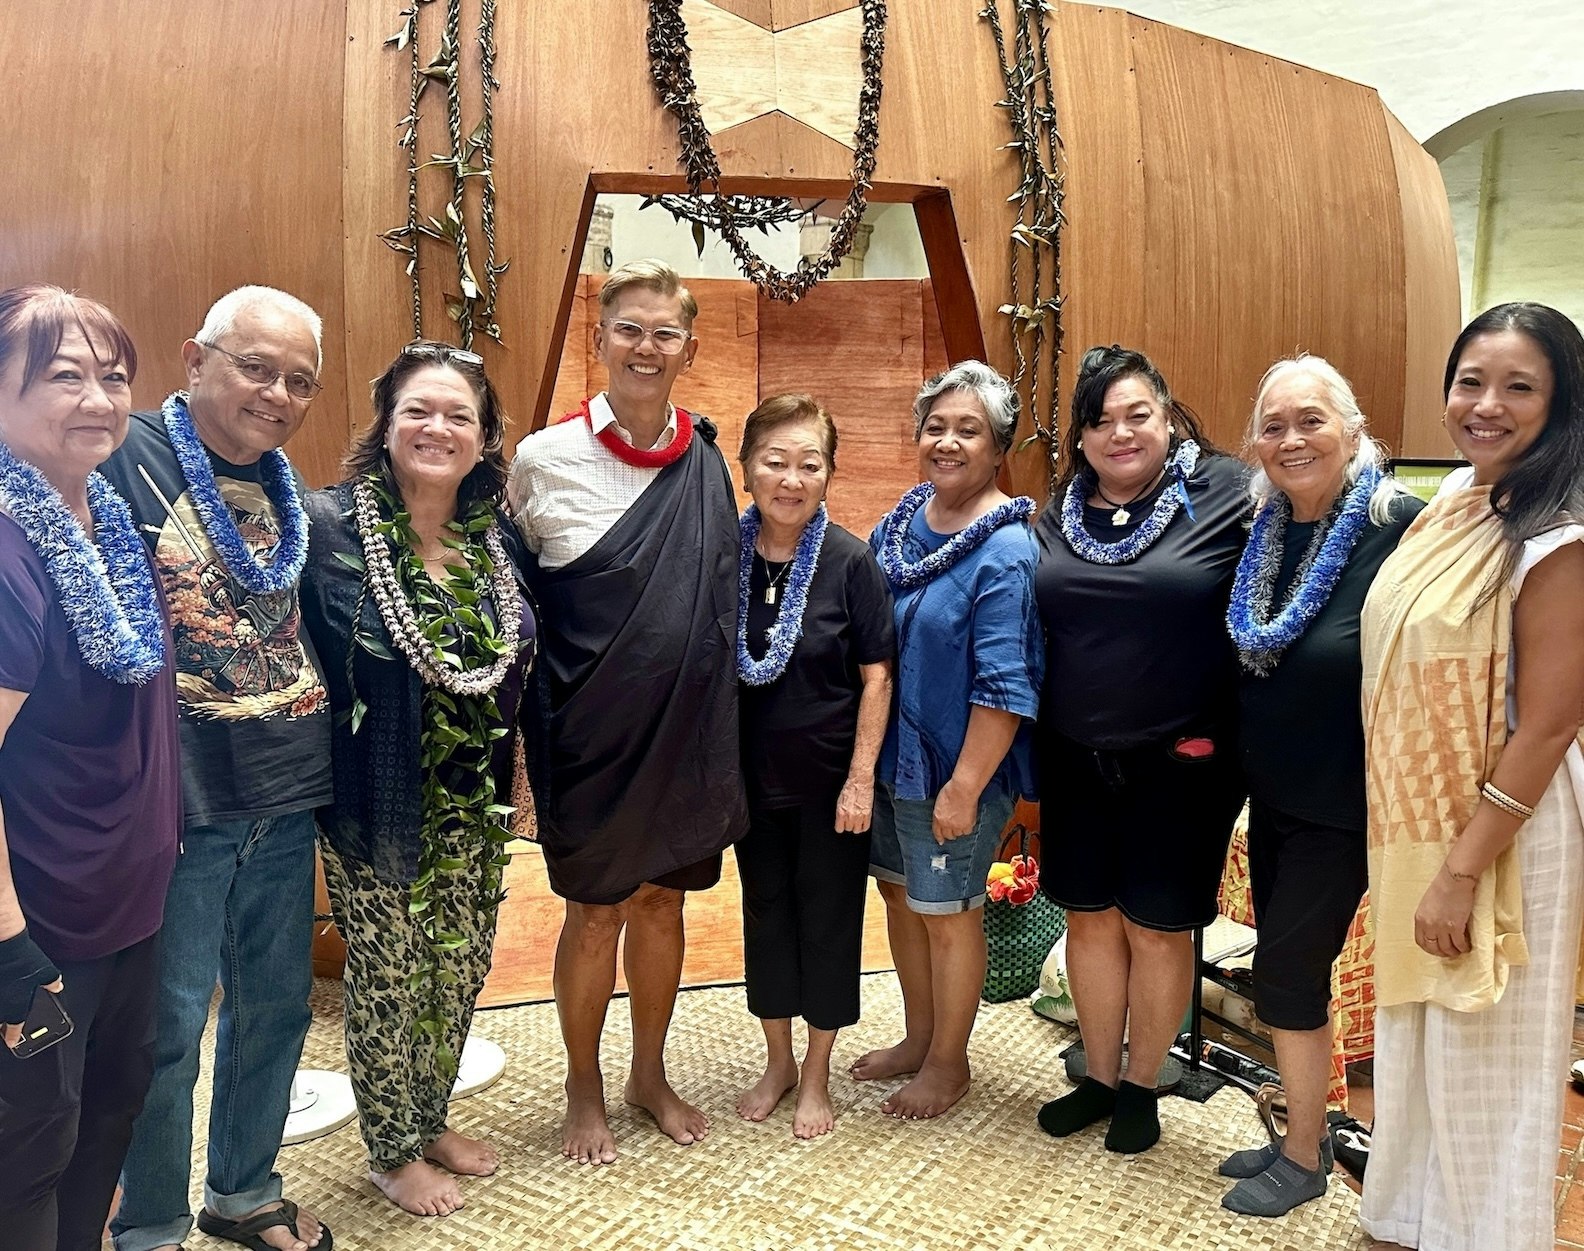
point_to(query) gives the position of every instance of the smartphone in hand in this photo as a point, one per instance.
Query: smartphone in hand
(46, 1024)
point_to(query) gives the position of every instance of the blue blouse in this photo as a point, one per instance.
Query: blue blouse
(970, 636)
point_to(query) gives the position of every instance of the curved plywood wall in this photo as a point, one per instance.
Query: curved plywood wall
(1225, 207)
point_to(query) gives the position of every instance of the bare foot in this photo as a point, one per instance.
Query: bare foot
(876, 1066)
(420, 1188)
(814, 1114)
(308, 1229)
(678, 1120)
(461, 1154)
(929, 1094)
(586, 1133)
(760, 1099)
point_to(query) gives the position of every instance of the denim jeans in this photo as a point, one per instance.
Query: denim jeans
(240, 908)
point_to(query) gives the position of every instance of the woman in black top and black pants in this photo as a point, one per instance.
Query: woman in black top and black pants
(1326, 519)
(814, 651)
(1139, 784)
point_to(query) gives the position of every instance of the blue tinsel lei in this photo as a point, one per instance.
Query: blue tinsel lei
(1261, 638)
(1174, 497)
(788, 627)
(280, 487)
(106, 592)
(894, 528)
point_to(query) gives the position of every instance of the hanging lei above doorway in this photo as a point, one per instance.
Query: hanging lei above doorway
(106, 592)
(788, 628)
(461, 654)
(905, 575)
(1262, 638)
(1167, 504)
(671, 68)
(280, 488)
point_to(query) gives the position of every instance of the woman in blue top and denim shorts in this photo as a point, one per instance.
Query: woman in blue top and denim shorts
(960, 558)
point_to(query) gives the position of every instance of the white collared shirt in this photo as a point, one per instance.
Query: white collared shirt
(567, 490)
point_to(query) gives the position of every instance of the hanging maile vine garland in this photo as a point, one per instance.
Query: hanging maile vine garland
(472, 156)
(670, 65)
(754, 212)
(1036, 308)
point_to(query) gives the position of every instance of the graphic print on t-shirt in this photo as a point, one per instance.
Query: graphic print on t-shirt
(239, 655)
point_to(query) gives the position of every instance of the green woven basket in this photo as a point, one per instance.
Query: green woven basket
(1018, 937)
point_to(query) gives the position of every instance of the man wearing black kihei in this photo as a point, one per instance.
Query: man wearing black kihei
(628, 509)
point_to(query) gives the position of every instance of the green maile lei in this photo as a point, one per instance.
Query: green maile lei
(461, 655)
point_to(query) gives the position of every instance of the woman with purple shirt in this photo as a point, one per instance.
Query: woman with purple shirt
(89, 800)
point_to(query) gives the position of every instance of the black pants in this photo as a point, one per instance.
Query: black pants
(66, 1114)
(1307, 880)
(803, 889)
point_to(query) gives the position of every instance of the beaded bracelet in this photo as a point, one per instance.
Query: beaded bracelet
(1506, 802)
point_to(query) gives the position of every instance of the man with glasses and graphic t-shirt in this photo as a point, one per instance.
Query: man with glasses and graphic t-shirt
(221, 510)
(628, 508)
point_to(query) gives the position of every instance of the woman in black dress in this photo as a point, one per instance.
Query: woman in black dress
(815, 648)
(1139, 783)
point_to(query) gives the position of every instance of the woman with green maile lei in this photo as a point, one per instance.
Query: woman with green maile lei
(412, 599)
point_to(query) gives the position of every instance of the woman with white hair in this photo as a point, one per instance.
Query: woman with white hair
(1326, 518)
(960, 558)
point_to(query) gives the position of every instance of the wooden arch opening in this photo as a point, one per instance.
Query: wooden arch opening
(861, 346)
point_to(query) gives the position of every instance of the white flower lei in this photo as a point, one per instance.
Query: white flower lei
(401, 623)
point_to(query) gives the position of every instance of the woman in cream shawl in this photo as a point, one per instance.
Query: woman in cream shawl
(1473, 698)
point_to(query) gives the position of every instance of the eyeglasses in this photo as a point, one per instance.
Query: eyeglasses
(668, 340)
(299, 386)
(442, 352)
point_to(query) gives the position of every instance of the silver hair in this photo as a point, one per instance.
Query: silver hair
(994, 393)
(223, 313)
(1338, 393)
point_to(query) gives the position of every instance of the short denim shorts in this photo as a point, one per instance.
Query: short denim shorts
(940, 878)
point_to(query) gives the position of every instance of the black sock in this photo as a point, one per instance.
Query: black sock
(1135, 1125)
(1088, 1102)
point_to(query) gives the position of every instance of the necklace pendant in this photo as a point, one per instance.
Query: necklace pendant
(1120, 517)
(770, 596)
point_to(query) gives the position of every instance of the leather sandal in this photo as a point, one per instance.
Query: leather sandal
(248, 1231)
(1271, 1100)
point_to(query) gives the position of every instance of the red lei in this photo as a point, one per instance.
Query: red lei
(652, 458)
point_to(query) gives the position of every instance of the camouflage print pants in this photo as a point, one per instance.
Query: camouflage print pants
(401, 1097)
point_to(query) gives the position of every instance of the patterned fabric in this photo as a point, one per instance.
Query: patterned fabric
(567, 489)
(401, 1097)
(1468, 1105)
(1435, 699)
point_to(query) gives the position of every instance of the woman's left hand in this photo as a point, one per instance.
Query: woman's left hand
(1442, 922)
(956, 811)
(854, 806)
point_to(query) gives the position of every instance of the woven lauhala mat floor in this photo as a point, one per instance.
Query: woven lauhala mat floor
(983, 1176)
